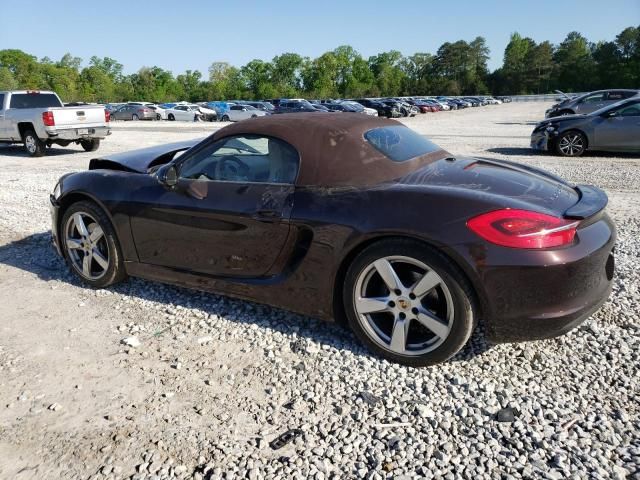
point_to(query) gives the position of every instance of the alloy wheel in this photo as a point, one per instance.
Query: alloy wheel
(571, 144)
(87, 246)
(403, 305)
(30, 143)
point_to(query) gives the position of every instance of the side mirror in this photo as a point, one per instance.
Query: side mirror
(167, 175)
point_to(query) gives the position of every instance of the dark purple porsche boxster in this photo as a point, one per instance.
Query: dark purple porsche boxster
(347, 217)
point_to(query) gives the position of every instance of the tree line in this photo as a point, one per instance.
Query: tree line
(457, 68)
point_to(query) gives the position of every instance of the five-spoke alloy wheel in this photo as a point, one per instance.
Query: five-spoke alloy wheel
(408, 302)
(90, 245)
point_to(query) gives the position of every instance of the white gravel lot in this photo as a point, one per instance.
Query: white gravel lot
(215, 380)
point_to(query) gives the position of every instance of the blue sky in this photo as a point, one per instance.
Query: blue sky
(180, 35)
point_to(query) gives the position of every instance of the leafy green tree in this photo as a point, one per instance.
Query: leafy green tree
(7, 81)
(286, 74)
(388, 73)
(258, 76)
(576, 67)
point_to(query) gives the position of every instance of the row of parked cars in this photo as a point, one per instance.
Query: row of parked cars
(606, 120)
(236, 110)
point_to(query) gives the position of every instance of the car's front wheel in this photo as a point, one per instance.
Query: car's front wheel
(90, 245)
(571, 144)
(408, 303)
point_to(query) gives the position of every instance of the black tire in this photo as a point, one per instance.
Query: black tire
(225, 118)
(158, 116)
(33, 145)
(571, 144)
(170, 117)
(90, 145)
(115, 271)
(465, 311)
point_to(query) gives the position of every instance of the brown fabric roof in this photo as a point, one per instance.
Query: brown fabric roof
(332, 147)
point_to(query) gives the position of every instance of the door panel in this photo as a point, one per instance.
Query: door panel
(211, 227)
(618, 133)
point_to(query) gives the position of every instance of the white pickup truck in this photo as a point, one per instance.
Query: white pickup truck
(38, 119)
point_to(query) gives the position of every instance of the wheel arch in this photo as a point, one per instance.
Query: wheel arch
(341, 272)
(24, 126)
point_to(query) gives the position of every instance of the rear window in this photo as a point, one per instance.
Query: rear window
(34, 100)
(400, 143)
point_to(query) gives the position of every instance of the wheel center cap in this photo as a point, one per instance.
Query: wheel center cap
(403, 303)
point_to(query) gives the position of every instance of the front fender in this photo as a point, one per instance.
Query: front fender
(104, 188)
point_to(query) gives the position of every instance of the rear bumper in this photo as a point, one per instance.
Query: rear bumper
(78, 133)
(531, 295)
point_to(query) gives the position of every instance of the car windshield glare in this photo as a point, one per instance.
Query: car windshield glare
(400, 143)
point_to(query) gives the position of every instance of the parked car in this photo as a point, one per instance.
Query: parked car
(237, 113)
(319, 106)
(325, 215)
(184, 112)
(384, 110)
(612, 128)
(422, 106)
(208, 114)
(134, 112)
(504, 99)
(265, 106)
(161, 113)
(296, 106)
(589, 102)
(359, 107)
(37, 119)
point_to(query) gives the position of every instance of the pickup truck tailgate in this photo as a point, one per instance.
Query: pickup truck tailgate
(78, 117)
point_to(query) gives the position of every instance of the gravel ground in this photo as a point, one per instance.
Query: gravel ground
(148, 381)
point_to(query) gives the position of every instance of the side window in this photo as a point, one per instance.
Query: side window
(615, 96)
(598, 97)
(235, 107)
(1, 101)
(244, 158)
(632, 110)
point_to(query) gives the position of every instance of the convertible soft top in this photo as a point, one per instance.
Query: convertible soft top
(332, 147)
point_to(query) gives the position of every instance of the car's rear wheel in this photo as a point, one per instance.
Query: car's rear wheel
(408, 303)
(33, 145)
(90, 245)
(571, 144)
(225, 118)
(135, 117)
(90, 145)
(170, 117)
(158, 116)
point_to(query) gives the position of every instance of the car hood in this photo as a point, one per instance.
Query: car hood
(502, 183)
(139, 161)
(563, 118)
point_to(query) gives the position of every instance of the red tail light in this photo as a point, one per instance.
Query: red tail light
(107, 116)
(48, 120)
(524, 229)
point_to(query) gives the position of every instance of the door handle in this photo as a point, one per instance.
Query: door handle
(266, 215)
